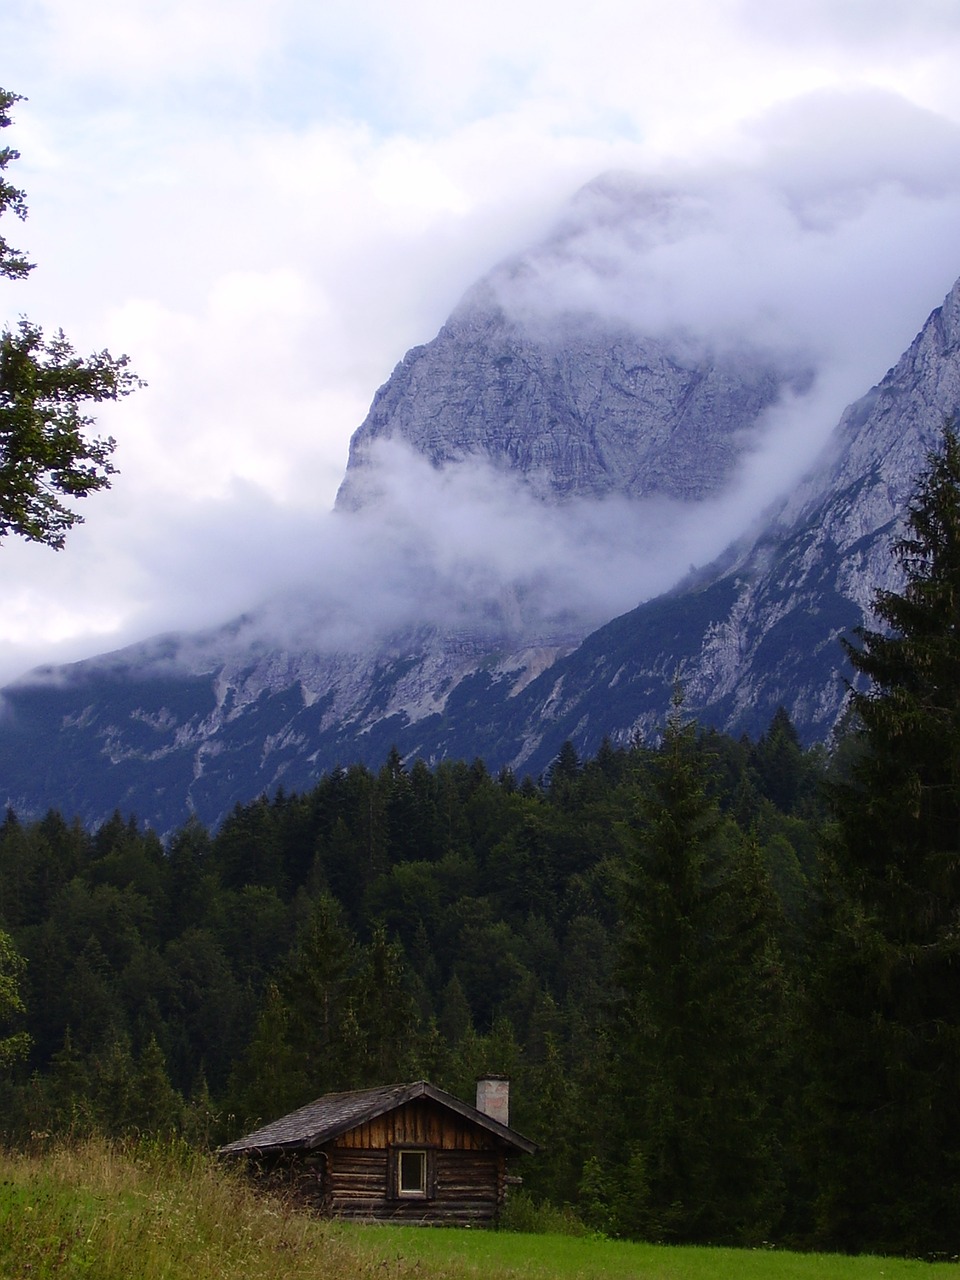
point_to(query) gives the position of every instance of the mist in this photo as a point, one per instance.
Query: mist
(819, 236)
(824, 258)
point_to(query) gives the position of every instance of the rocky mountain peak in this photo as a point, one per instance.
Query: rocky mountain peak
(530, 377)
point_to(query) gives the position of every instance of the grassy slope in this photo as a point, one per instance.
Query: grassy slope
(92, 1210)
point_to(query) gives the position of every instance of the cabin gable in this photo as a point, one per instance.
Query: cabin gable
(421, 1122)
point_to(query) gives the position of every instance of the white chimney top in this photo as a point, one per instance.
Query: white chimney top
(493, 1098)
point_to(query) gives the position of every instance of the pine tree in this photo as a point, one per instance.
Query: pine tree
(269, 1078)
(699, 1022)
(156, 1107)
(69, 1088)
(201, 1119)
(779, 764)
(886, 997)
(455, 1016)
(113, 1087)
(384, 1012)
(15, 1044)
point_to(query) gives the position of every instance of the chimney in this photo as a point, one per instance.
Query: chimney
(493, 1098)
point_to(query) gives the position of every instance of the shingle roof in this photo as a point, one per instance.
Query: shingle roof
(335, 1113)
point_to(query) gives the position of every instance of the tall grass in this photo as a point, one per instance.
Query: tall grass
(162, 1212)
(116, 1213)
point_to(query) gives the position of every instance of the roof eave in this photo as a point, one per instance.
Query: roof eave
(502, 1131)
(419, 1089)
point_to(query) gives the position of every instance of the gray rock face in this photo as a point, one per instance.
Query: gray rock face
(761, 628)
(542, 372)
(865, 481)
(576, 407)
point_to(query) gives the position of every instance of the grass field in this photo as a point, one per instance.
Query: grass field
(539, 1257)
(92, 1210)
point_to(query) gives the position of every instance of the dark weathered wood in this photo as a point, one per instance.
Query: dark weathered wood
(469, 1184)
(353, 1172)
(418, 1123)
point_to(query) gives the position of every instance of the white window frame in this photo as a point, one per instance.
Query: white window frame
(420, 1192)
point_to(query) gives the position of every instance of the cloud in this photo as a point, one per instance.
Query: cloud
(888, 25)
(821, 254)
(130, 41)
(266, 203)
(824, 262)
(468, 548)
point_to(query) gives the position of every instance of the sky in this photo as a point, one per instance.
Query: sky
(265, 203)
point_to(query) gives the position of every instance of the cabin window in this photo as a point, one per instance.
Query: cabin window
(412, 1173)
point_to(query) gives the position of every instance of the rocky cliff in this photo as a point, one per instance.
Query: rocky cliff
(551, 370)
(761, 627)
(577, 409)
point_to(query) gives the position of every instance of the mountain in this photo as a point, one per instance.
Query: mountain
(571, 409)
(582, 409)
(537, 377)
(760, 629)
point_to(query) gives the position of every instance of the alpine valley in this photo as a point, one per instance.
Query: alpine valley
(563, 426)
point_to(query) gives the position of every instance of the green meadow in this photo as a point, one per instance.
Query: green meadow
(542, 1257)
(166, 1213)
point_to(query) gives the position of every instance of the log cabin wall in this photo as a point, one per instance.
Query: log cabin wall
(468, 1188)
(468, 1168)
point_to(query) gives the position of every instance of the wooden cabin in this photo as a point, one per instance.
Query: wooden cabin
(401, 1153)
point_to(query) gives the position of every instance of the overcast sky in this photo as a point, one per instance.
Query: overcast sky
(265, 203)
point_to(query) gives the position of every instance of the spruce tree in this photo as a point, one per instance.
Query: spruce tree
(16, 1044)
(157, 1108)
(699, 1024)
(778, 763)
(886, 998)
(384, 1012)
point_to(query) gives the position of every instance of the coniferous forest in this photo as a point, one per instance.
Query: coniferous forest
(721, 974)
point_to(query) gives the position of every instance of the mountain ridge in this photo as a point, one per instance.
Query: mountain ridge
(185, 725)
